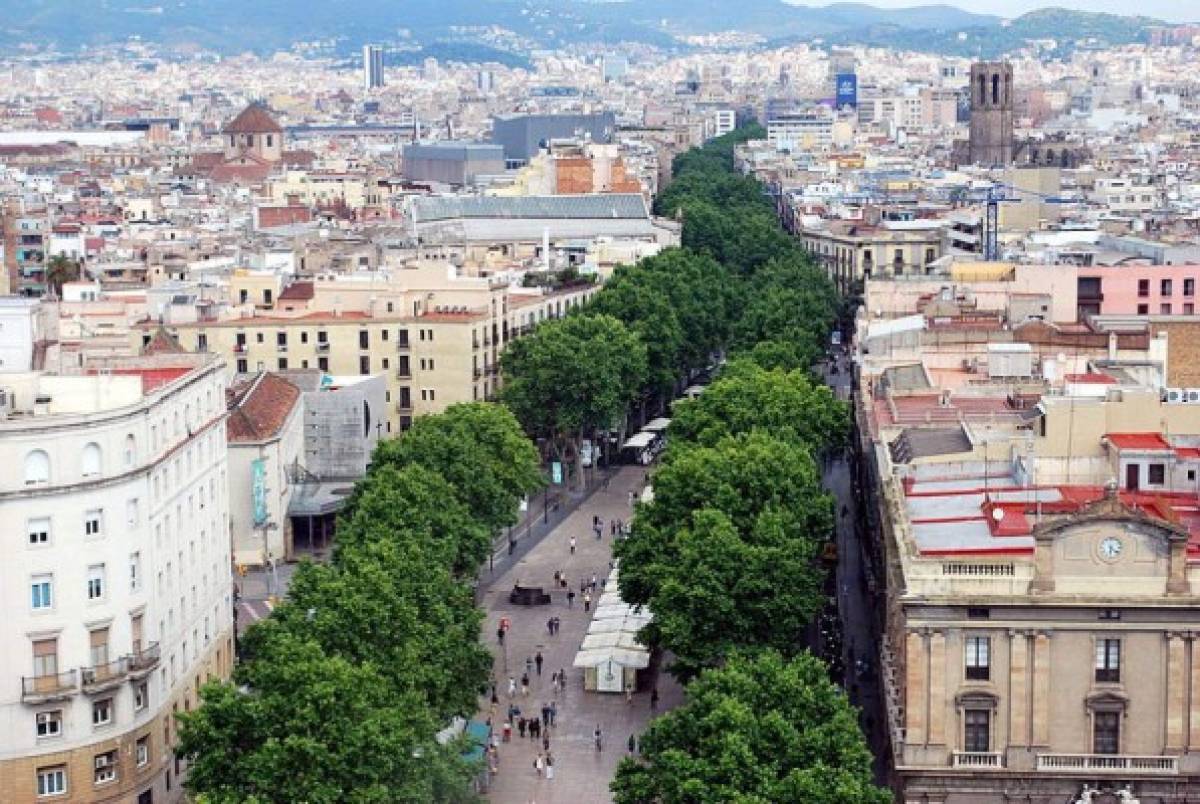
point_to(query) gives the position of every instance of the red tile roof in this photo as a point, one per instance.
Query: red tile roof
(1153, 442)
(258, 410)
(298, 291)
(254, 119)
(1092, 377)
(162, 343)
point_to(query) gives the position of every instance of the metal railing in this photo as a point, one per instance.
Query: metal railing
(101, 675)
(145, 659)
(1108, 763)
(39, 688)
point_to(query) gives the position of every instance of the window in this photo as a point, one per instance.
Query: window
(143, 751)
(131, 512)
(1164, 309)
(976, 613)
(42, 595)
(323, 363)
(1143, 309)
(283, 364)
(1189, 287)
(130, 451)
(38, 530)
(92, 521)
(51, 781)
(135, 571)
(403, 367)
(1165, 287)
(1143, 288)
(977, 730)
(1189, 309)
(37, 468)
(978, 660)
(402, 337)
(364, 365)
(95, 582)
(141, 696)
(281, 341)
(1108, 660)
(364, 339)
(1106, 732)
(45, 658)
(1158, 474)
(49, 724)
(243, 366)
(106, 767)
(258, 337)
(98, 648)
(102, 712)
(90, 460)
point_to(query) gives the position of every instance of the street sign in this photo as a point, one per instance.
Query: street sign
(556, 473)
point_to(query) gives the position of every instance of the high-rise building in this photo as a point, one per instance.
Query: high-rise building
(117, 568)
(372, 67)
(991, 113)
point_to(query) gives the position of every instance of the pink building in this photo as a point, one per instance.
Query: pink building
(1138, 290)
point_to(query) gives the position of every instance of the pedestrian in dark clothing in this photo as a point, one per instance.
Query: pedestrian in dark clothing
(632, 744)
(557, 625)
(553, 712)
(524, 679)
(587, 602)
(500, 635)
(550, 626)
(612, 528)
(535, 728)
(538, 661)
(521, 727)
(545, 742)
(528, 665)
(545, 714)
(570, 598)
(654, 698)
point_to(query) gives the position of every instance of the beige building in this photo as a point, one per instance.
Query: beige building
(852, 251)
(436, 339)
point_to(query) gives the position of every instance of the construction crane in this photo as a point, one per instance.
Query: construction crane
(992, 197)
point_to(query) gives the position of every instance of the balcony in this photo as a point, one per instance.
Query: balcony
(403, 344)
(53, 687)
(322, 347)
(143, 661)
(101, 677)
(976, 759)
(404, 406)
(403, 374)
(478, 373)
(1119, 764)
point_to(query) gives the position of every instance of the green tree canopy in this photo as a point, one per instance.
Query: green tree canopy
(788, 405)
(479, 448)
(306, 726)
(761, 730)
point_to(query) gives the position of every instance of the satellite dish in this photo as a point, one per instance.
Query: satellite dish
(998, 514)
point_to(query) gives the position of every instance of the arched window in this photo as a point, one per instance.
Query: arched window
(982, 89)
(37, 468)
(90, 460)
(130, 451)
(996, 90)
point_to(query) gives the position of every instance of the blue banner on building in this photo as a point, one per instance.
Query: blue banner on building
(847, 90)
(258, 490)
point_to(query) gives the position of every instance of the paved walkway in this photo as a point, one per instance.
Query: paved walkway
(581, 774)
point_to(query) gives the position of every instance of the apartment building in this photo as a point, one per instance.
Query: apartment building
(852, 251)
(116, 575)
(1033, 494)
(435, 340)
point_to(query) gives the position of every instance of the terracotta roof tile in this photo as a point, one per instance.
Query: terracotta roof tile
(298, 291)
(258, 410)
(254, 119)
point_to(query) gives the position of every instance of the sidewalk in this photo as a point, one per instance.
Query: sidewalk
(582, 774)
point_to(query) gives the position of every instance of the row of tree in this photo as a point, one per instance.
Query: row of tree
(727, 555)
(341, 691)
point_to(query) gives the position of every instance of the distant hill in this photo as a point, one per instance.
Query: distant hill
(427, 26)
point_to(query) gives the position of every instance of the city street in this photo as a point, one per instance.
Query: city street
(581, 774)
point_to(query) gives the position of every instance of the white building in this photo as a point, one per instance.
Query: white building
(116, 574)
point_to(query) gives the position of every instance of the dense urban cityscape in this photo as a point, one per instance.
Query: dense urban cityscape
(584, 402)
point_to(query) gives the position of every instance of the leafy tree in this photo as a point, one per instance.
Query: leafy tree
(59, 271)
(727, 590)
(571, 377)
(301, 725)
(762, 729)
(391, 603)
(633, 297)
(479, 448)
(746, 397)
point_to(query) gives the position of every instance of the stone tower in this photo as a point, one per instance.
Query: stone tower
(991, 113)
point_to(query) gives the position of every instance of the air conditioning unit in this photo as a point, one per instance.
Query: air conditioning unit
(102, 762)
(1191, 396)
(1173, 396)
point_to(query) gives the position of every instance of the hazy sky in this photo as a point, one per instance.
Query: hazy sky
(1176, 10)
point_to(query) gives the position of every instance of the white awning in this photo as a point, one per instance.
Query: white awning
(637, 659)
(657, 425)
(639, 441)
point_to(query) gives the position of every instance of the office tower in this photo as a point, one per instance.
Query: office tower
(372, 67)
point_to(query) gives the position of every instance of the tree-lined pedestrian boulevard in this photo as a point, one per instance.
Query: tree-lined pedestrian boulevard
(581, 773)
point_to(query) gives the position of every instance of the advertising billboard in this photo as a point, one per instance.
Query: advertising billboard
(258, 490)
(847, 91)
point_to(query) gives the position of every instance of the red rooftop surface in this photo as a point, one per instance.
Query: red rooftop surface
(152, 378)
(1092, 377)
(1152, 442)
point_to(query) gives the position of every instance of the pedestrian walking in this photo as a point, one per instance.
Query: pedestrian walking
(587, 601)
(549, 766)
(632, 744)
(537, 660)
(582, 585)
(507, 731)
(612, 528)
(598, 737)
(570, 598)
(572, 545)
(546, 741)
(562, 679)
(553, 712)
(629, 696)
(535, 728)
(525, 684)
(653, 698)
(595, 581)
(598, 529)
(550, 626)
(545, 714)
(632, 498)
(512, 687)
(521, 725)
(500, 635)
(539, 765)
(557, 624)
(528, 665)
